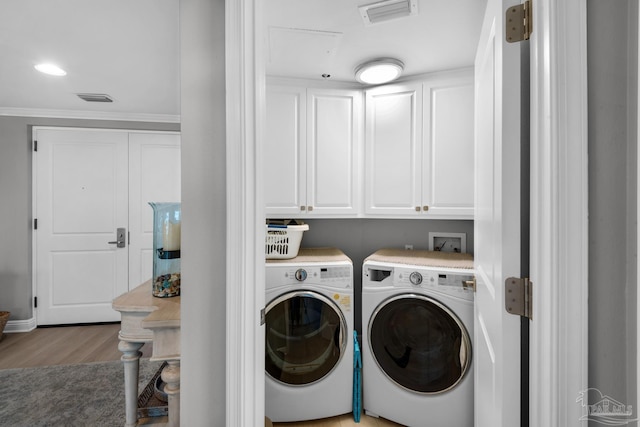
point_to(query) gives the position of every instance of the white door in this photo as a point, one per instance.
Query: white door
(80, 201)
(497, 222)
(149, 182)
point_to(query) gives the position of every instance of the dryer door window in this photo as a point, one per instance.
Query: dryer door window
(305, 337)
(419, 343)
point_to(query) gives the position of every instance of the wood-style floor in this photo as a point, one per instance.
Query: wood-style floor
(64, 345)
(99, 343)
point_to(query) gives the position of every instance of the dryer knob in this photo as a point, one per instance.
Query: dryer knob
(415, 278)
(301, 275)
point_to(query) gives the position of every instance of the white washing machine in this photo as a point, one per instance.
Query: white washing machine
(417, 320)
(309, 336)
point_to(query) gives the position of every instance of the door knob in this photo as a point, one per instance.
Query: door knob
(120, 235)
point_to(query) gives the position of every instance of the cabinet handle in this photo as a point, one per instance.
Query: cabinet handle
(425, 208)
(302, 208)
(417, 208)
(309, 208)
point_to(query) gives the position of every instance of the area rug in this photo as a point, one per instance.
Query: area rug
(90, 394)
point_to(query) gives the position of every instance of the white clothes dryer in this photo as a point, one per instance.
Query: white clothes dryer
(417, 316)
(309, 336)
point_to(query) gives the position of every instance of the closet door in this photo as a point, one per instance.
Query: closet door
(154, 176)
(80, 200)
(87, 185)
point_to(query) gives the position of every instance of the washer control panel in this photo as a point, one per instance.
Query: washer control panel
(300, 275)
(332, 275)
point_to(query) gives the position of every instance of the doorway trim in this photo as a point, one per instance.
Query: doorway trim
(245, 291)
(558, 215)
(559, 220)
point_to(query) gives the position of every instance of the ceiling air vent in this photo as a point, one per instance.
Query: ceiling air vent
(95, 97)
(387, 10)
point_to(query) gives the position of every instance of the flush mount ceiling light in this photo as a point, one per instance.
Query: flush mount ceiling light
(379, 71)
(51, 69)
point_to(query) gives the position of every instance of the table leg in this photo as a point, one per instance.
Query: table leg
(171, 376)
(131, 360)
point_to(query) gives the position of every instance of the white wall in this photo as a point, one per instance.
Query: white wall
(202, 28)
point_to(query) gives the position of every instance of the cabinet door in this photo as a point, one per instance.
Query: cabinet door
(285, 152)
(448, 148)
(333, 141)
(393, 150)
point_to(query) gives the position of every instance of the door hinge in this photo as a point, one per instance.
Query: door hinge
(35, 223)
(519, 22)
(263, 317)
(35, 302)
(35, 145)
(518, 297)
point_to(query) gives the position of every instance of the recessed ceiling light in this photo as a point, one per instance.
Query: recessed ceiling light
(51, 69)
(379, 71)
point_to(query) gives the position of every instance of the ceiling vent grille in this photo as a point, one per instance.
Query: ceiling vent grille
(388, 10)
(95, 97)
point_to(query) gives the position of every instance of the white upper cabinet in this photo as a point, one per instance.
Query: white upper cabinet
(419, 148)
(285, 151)
(393, 150)
(447, 177)
(311, 152)
(416, 159)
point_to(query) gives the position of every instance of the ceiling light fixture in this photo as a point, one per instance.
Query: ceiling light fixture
(379, 71)
(51, 69)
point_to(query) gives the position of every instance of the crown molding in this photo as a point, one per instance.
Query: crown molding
(92, 115)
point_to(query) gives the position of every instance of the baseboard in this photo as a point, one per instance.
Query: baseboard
(20, 325)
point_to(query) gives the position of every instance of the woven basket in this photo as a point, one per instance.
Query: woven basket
(4, 317)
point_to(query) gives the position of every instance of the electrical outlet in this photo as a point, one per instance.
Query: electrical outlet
(408, 247)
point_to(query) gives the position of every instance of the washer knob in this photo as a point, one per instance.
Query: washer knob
(301, 275)
(415, 278)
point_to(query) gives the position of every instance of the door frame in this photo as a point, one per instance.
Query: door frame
(559, 212)
(558, 244)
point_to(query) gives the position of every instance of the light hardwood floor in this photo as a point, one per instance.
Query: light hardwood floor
(99, 343)
(62, 346)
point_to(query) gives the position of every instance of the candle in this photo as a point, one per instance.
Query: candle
(171, 236)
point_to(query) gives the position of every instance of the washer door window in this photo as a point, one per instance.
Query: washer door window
(419, 343)
(305, 337)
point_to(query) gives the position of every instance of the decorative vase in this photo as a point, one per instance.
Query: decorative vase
(166, 249)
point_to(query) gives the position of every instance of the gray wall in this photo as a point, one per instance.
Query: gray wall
(612, 84)
(204, 228)
(16, 293)
(359, 238)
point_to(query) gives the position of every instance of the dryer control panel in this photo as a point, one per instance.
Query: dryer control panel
(451, 283)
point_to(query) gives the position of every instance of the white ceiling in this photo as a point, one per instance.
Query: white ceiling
(130, 49)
